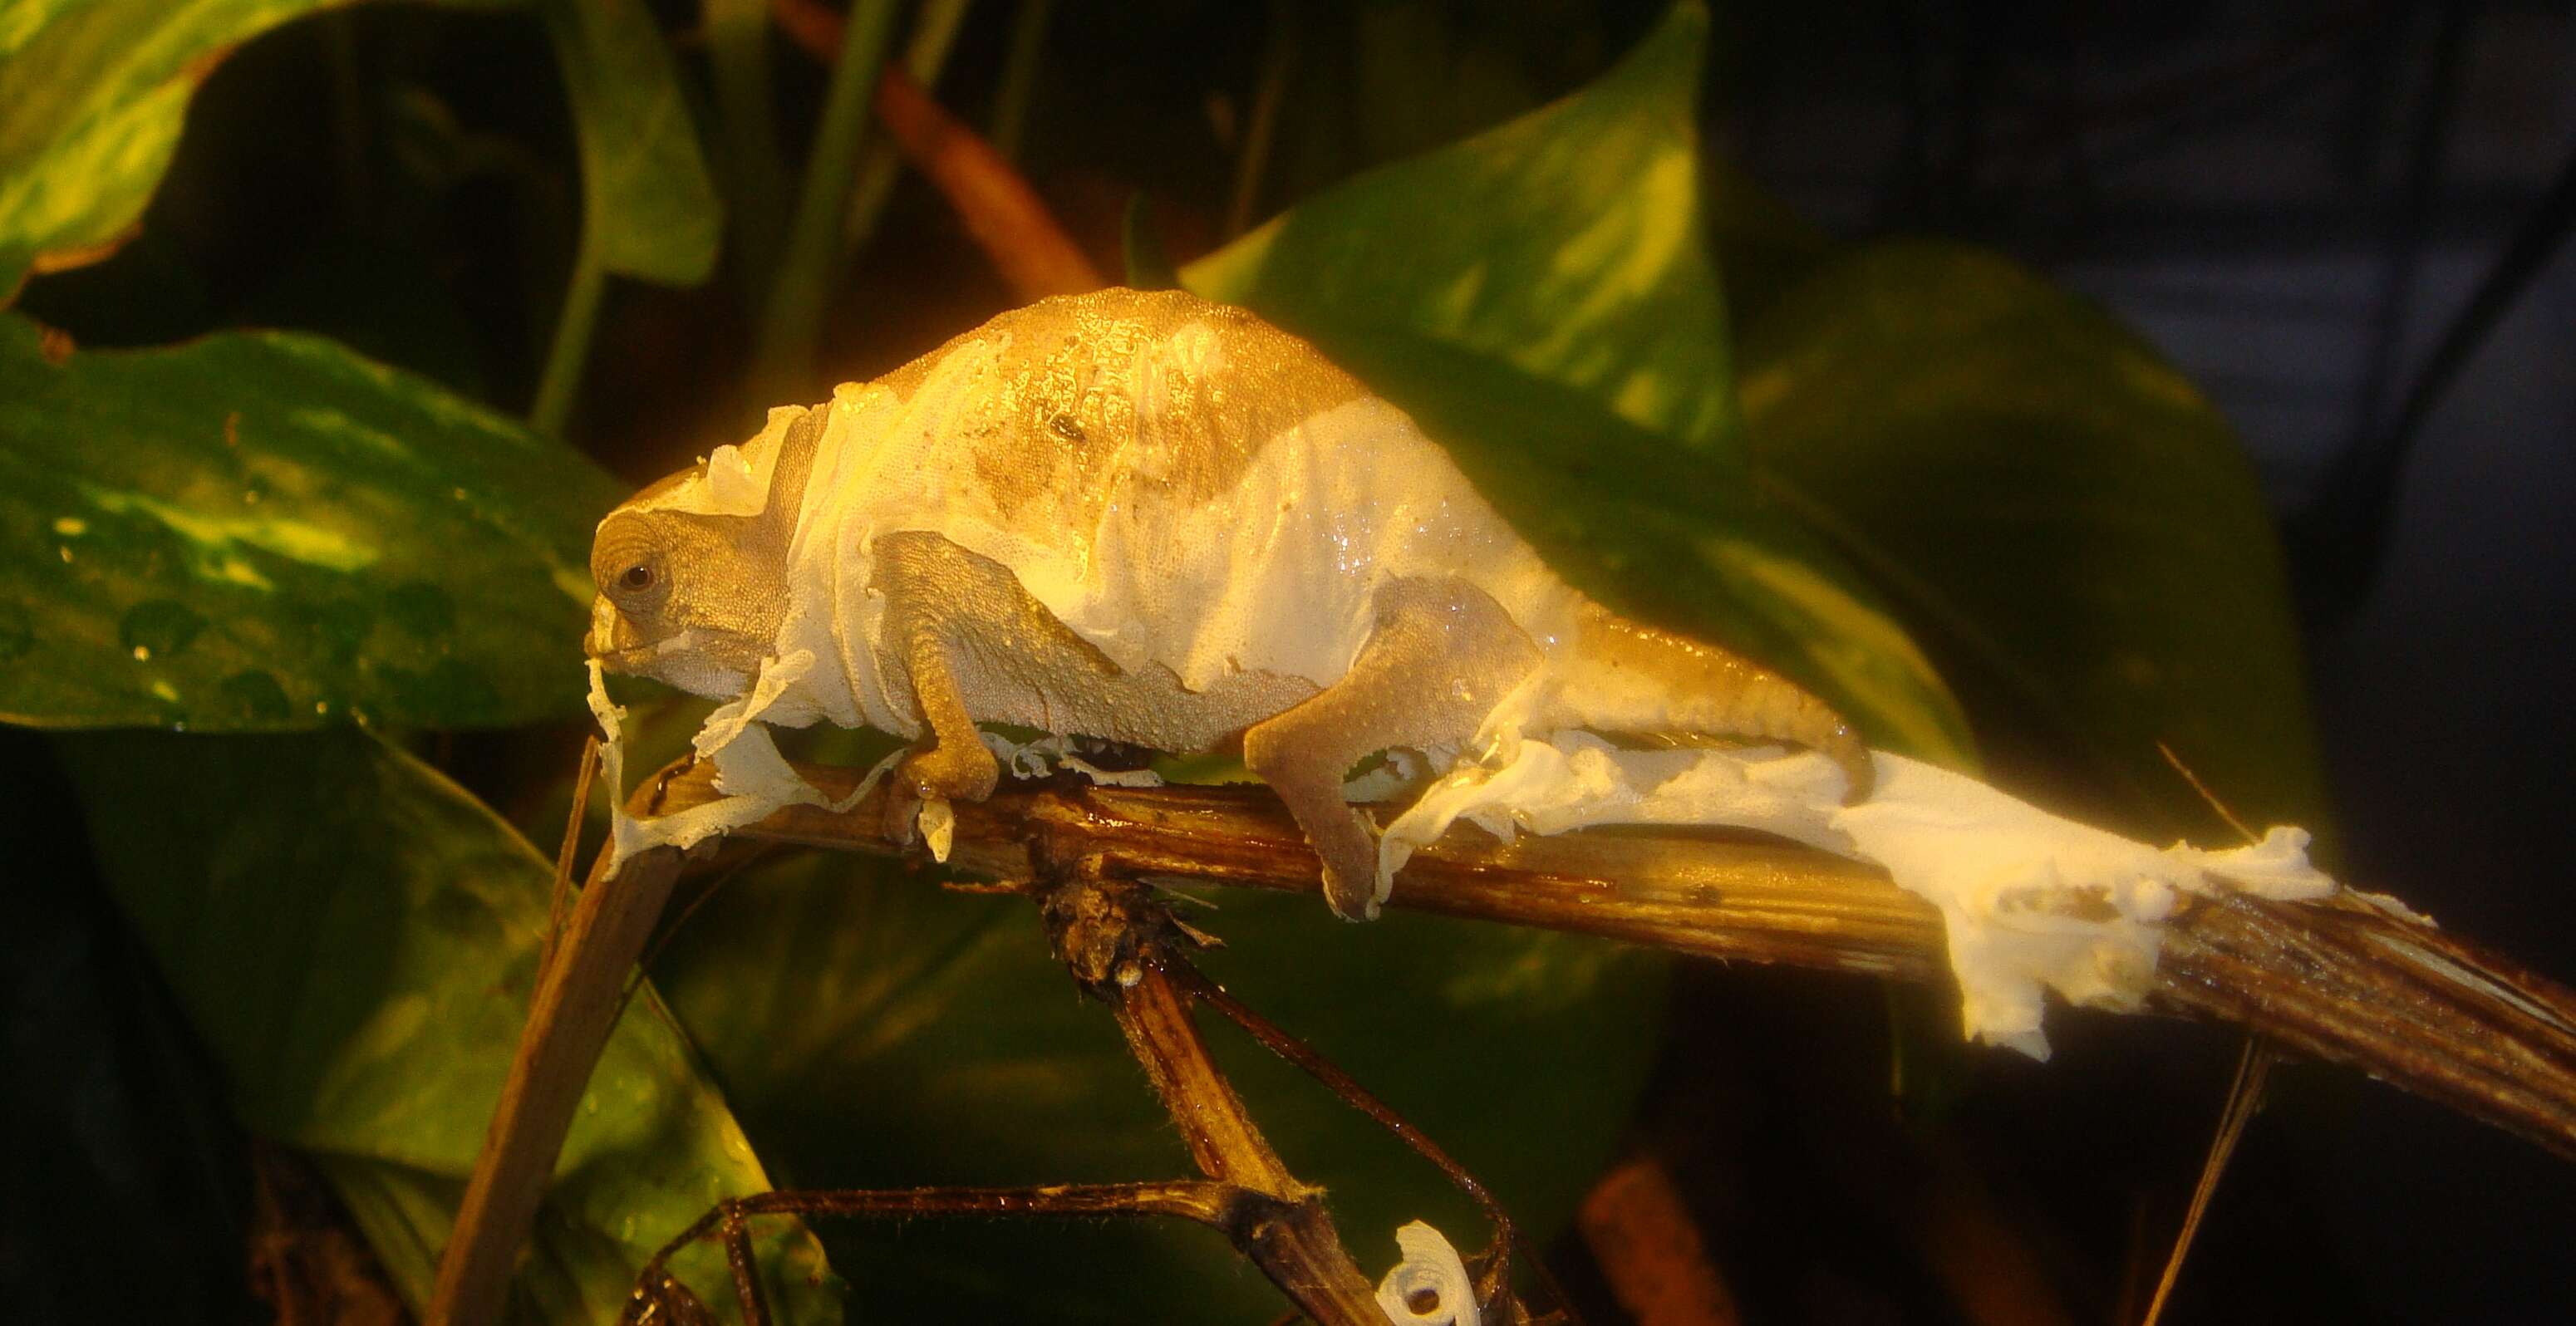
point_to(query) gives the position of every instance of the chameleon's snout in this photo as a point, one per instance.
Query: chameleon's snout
(612, 639)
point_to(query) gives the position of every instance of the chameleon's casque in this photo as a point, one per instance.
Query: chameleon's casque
(1153, 519)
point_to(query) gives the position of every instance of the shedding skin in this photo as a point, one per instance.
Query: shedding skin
(1106, 426)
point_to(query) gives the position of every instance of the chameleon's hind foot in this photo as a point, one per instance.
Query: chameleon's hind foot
(946, 771)
(1443, 654)
(1350, 864)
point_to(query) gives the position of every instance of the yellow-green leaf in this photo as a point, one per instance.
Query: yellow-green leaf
(263, 531)
(1569, 243)
(648, 208)
(94, 93)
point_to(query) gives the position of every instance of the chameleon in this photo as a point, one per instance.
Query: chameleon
(1157, 520)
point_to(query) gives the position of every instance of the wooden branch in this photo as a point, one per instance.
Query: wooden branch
(580, 988)
(1121, 946)
(2344, 981)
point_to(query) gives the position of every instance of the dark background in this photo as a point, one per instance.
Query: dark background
(2294, 201)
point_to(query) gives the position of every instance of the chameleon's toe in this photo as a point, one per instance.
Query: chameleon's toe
(1347, 846)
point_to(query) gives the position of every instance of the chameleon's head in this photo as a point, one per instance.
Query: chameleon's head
(692, 599)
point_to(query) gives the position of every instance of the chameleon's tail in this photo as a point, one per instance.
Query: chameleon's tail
(1623, 677)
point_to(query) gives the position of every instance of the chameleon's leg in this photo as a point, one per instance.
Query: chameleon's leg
(924, 628)
(953, 763)
(1443, 654)
(950, 762)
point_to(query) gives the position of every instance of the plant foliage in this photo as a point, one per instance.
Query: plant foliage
(269, 533)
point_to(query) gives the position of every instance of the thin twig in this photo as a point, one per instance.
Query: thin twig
(1119, 944)
(1220, 1206)
(569, 1018)
(1508, 1237)
(2244, 1101)
(561, 895)
(2220, 807)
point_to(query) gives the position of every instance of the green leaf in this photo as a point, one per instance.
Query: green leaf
(354, 939)
(1542, 299)
(648, 208)
(2063, 518)
(874, 1030)
(96, 90)
(265, 531)
(1568, 243)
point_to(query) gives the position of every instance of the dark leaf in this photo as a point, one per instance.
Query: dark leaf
(2063, 517)
(354, 938)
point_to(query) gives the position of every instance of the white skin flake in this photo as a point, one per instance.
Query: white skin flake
(1430, 1287)
(2031, 902)
(1159, 521)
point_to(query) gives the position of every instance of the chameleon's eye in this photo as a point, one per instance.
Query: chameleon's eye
(638, 577)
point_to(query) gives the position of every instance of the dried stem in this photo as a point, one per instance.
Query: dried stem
(578, 995)
(2346, 981)
(1121, 946)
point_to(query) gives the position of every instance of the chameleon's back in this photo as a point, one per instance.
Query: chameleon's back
(1178, 482)
(1090, 393)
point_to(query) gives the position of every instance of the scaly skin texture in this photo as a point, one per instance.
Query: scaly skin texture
(1152, 519)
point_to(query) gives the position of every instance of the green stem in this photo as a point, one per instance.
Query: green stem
(1262, 125)
(561, 380)
(738, 55)
(1020, 77)
(934, 34)
(784, 355)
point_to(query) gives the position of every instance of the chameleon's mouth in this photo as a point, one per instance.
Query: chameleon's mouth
(618, 646)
